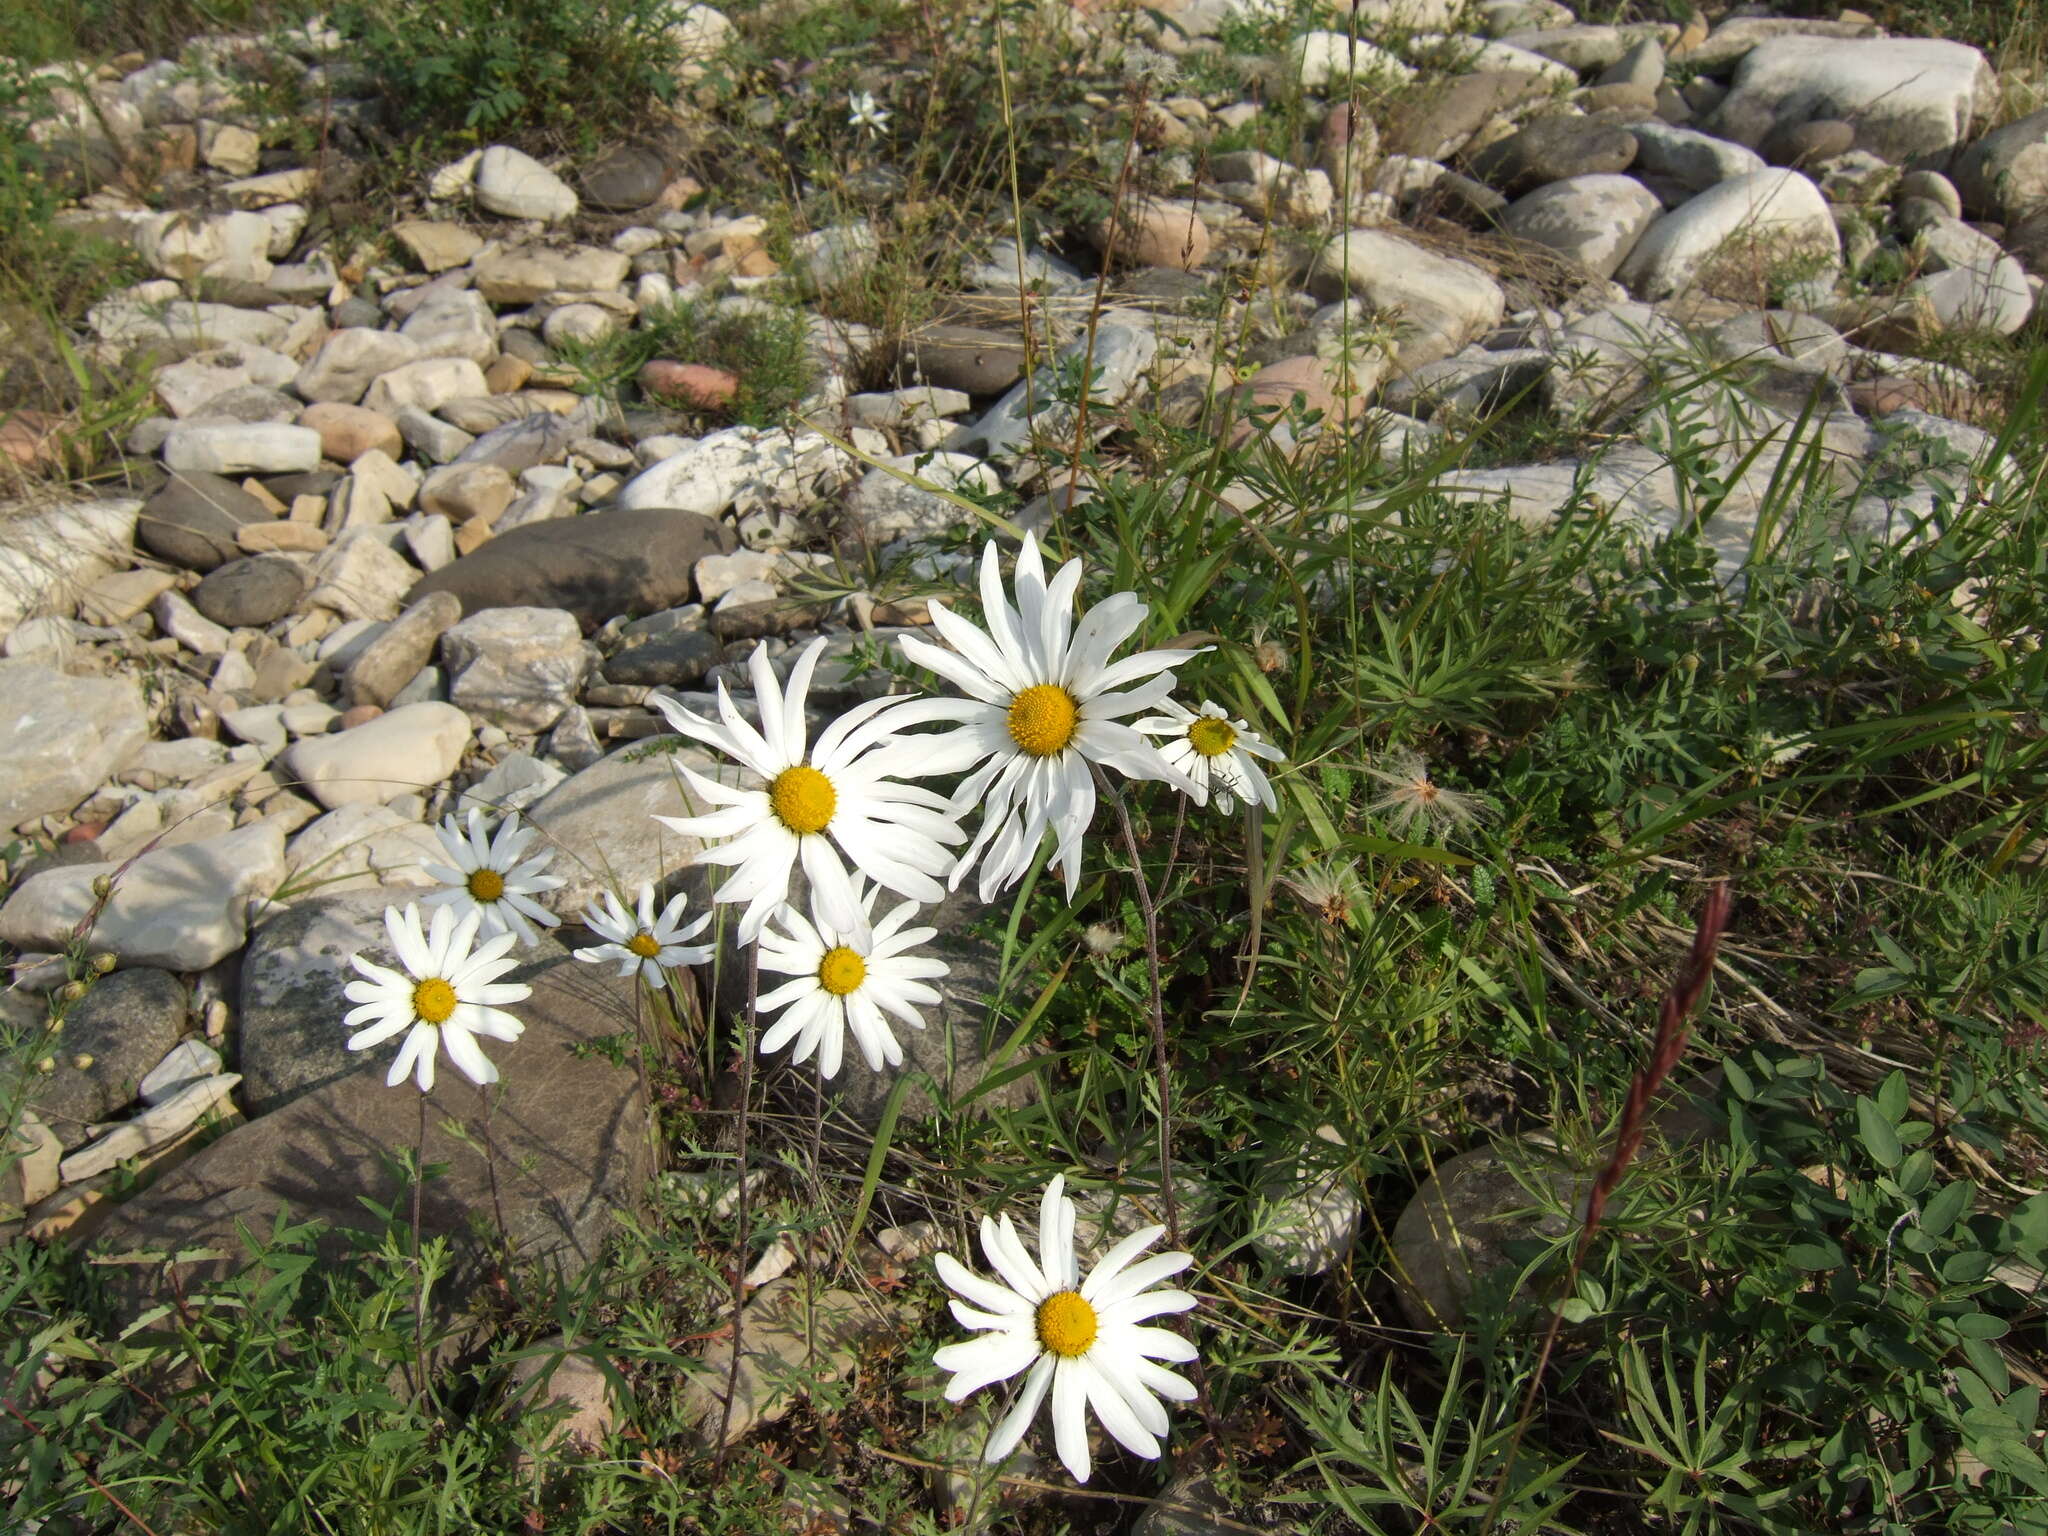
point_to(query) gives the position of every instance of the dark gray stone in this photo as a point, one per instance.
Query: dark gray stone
(624, 177)
(251, 592)
(1445, 120)
(1800, 144)
(1553, 148)
(674, 660)
(966, 358)
(125, 1024)
(596, 566)
(567, 1128)
(192, 521)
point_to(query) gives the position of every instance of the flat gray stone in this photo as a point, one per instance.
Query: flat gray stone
(181, 907)
(61, 737)
(568, 1131)
(600, 822)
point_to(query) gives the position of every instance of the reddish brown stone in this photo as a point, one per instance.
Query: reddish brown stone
(691, 384)
(359, 714)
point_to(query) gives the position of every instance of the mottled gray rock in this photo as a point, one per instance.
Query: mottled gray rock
(567, 1133)
(350, 361)
(601, 821)
(1452, 1239)
(180, 908)
(61, 737)
(742, 466)
(360, 576)
(1592, 220)
(884, 506)
(1440, 304)
(1780, 212)
(1908, 96)
(515, 667)
(1122, 353)
(120, 1029)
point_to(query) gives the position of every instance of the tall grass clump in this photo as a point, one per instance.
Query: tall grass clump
(549, 72)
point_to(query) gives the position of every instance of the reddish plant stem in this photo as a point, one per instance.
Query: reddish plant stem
(1668, 1045)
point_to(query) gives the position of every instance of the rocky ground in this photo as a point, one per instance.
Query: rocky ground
(380, 554)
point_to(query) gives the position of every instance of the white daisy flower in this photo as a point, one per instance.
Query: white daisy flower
(1044, 702)
(864, 113)
(1083, 1339)
(846, 979)
(650, 945)
(447, 994)
(489, 879)
(816, 802)
(1217, 752)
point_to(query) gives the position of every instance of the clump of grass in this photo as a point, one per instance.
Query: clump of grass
(566, 71)
(766, 350)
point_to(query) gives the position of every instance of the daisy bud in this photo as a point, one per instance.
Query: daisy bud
(102, 886)
(71, 991)
(104, 962)
(82, 1061)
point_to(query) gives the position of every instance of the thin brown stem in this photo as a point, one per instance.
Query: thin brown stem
(739, 1268)
(98, 1487)
(483, 1094)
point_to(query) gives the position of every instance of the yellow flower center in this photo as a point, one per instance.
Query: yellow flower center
(1211, 737)
(803, 799)
(1066, 1324)
(841, 971)
(1043, 719)
(643, 945)
(433, 1000)
(486, 885)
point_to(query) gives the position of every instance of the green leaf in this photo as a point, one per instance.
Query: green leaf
(1879, 1137)
(1981, 1325)
(1826, 1253)
(1946, 1207)
(1893, 1097)
(1739, 1080)
(1967, 1267)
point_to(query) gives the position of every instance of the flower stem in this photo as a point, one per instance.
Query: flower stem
(739, 1268)
(1160, 1065)
(419, 1304)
